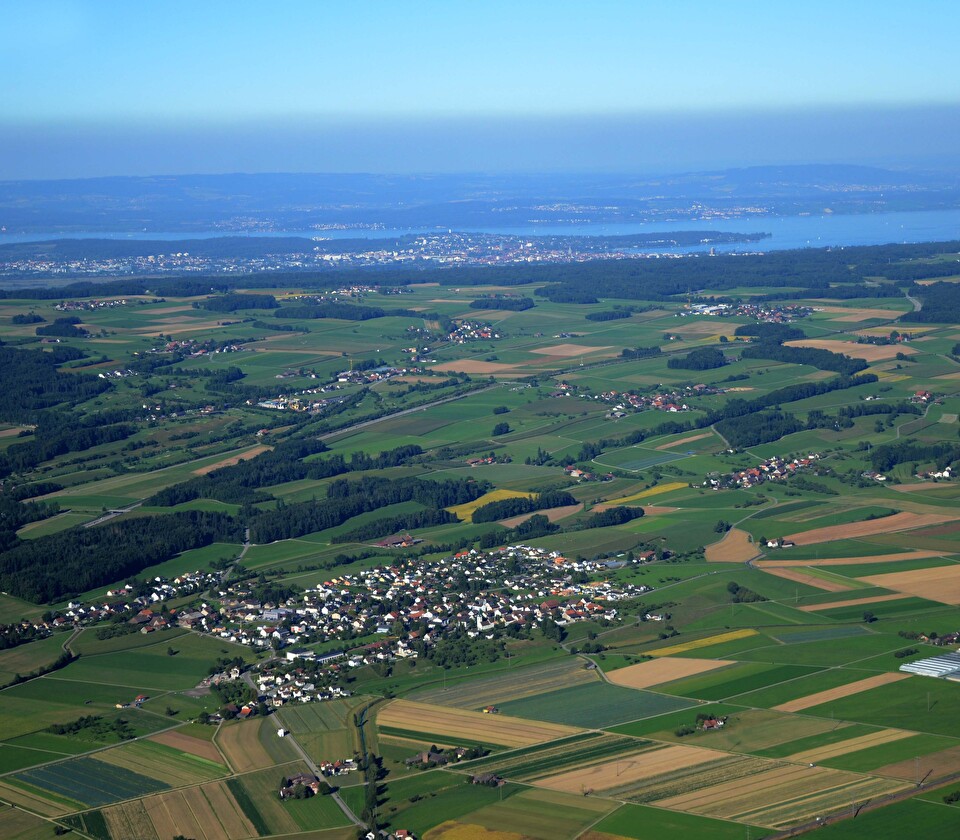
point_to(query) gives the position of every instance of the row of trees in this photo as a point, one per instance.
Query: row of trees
(348, 499)
(54, 567)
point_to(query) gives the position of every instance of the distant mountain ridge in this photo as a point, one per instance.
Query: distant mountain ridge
(291, 201)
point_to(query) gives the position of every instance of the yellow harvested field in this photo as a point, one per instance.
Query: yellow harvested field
(629, 768)
(780, 797)
(853, 602)
(915, 329)
(4, 433)
(736, 546)
(451, 830)
(884, 736)
(129, 820)
(188, 744)
(870, 352)
(228, 811)
(570, 350)
(682, 441)
(652, 491)
(853, 315)
(809, 580)
(33, 801)
(465, 511)
(241, 745)
(234, 459)
(553, 514)
(923, 486)
(719, 639)
(444, 721)
(941, 583)
(867, 528)
(938, 764)
(657, 671)
(847, 690)
(848, 561)
(475, 366)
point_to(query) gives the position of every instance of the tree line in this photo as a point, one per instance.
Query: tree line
(54, 567)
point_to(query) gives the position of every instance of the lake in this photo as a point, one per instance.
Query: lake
(814, 231)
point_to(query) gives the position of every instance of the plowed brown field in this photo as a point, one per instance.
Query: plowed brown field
(884, 525)
(629, 768)
(194, 746)
(663, 670)
(853, 602)
(445, 721)
(848, 561)
(940, 584)
(735, 547)
(857, 687)
(234, 459)
(810, 580)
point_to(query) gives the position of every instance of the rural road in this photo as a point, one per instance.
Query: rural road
(110, 515)
(392, 415)
(316, 772)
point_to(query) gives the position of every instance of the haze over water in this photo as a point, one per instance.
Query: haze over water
(787, 232)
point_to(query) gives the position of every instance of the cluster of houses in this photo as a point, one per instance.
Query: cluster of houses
(441, 757)
(624, 402)
(781, 313)
(193, 348)
(585, 475)
(412, 605)
(139, 600)
(466, 331)
(945, 474)
(772, 469)
(377, 374)
(90, 305)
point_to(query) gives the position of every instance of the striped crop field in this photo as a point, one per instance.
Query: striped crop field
(720, 638)
(465, 511)
(659, 490)
(404, 716)
(570, 754)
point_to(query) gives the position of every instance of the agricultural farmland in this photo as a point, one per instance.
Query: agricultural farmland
(688, 661)
(405, 716)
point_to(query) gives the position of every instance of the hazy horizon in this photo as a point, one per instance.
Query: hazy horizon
(426, 87)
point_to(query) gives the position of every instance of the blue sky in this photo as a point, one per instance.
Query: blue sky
(220, 86)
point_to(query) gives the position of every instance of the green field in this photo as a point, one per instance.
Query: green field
(642, 822)
(89, 781)
(553, 377)
(593, 705)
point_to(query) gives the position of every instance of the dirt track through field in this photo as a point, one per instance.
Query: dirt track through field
(847, 314)
(570, 350)
(839, 692)
(234, 459)
(884, 736)
(735, 547)
(553, 514)
(853, 602)
(664, 670)
(187, 744)
(870, 352)
(808, 580)
(682, 441)
(941, 584)
(848, 561)
(869, 527)
(936, 764)
(475, 366)
(629, 768)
